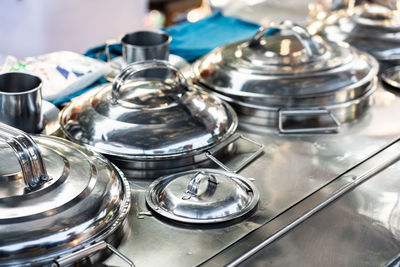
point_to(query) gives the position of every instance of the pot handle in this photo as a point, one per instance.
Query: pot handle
(128, 73)
(28, 155)
(313, 49)
(332, 128)
(210, 153)
(193, 186)
(82, 253)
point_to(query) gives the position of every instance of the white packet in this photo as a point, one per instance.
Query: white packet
(63, 73)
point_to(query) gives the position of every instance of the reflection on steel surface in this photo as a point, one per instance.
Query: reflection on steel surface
(291, 168)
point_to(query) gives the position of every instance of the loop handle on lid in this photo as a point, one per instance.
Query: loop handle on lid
(193, 186)
(28, 154)
(313, 49)
(129, 73)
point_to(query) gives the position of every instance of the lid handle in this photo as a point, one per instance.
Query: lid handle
(28, 154)
(313, 49)
(129, 73)
(193, 186)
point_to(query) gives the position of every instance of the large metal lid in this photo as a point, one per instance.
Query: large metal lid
(55, 197)
(369, 27)
(287, 67)
(148, 111)
(202, 196)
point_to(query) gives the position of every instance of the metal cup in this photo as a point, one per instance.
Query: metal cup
(21, 101)
(143, 45)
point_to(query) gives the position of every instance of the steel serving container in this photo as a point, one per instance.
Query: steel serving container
(59, 202)
(372, 28)
(150, 122)
(286, 75)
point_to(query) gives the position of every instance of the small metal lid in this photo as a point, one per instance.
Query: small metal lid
(292, 68)
(148, 111)
(202, 196)
(55, 197)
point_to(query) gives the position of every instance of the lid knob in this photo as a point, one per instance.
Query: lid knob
(28, 155)
(193, 186)
(130, 73)
(312, 48)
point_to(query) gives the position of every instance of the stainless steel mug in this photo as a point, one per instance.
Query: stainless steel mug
(143, 45)
(21, 101)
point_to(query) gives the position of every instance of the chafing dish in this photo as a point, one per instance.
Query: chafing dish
(150, 122)
(289, 75)
(371, 27)
(60, 203)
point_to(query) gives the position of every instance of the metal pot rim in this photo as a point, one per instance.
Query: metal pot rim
(227, 91)
(368, 93)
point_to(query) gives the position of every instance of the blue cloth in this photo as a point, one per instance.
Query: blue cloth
(193, 40)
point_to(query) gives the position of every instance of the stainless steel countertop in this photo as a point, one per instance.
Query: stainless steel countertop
(291, 168)
(359, 227)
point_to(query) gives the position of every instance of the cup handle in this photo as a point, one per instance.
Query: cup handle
(28, 155)
(107, 48)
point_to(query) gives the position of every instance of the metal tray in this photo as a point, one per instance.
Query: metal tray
(291, 169)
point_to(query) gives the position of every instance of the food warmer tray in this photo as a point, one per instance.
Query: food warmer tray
(292, 168)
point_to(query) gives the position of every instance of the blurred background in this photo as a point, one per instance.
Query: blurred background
(34, 27)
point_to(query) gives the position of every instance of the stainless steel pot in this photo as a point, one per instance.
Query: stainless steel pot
(369, 27)
(59, 202)
(291, 71)
(150, 122)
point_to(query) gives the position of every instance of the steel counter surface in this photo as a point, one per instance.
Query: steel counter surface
(291, 168)
(357, 223)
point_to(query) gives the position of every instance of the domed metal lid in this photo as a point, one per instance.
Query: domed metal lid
(148, 111)
(202, 196)
(55, 197)
(369, 27)
(289, 68)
